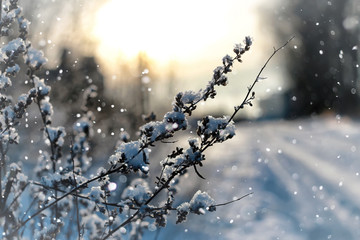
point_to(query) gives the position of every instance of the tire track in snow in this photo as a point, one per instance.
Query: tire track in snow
(340, 190)
(323, 168)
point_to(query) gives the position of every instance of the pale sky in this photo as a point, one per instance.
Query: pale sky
(194, 35)
(191, 36)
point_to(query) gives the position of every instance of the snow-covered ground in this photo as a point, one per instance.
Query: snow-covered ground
(304, 176)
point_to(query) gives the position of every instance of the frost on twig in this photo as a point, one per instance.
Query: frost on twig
(200, 202)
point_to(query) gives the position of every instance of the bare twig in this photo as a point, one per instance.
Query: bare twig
(250, 89)
(76, 197)
(83, 185)
(133, 217)
(235, 200)
(248, 97)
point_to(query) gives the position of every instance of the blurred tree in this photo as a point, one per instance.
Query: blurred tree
(71, 16)
(71, 77)
(323, 65)
(135, 91)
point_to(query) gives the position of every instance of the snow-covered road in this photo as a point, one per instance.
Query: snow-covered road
(304, 175)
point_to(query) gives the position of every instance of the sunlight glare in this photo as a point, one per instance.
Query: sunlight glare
(163, 29)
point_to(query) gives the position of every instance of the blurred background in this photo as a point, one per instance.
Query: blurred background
(140, 53)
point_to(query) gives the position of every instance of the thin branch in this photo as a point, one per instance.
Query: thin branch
(235, 200)
(27, 210)
(163, 141)
(1, 7)
(2, 165)
(250, 89)
(197, 172)
(17, 196)
(53, 146)
(66, 195)
(248, 97)
(132, 217)
(76, 197)
(216, 205)
(157, 234)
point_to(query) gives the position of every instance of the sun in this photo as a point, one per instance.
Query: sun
(163, 29)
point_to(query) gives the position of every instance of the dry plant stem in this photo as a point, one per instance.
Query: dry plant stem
(247, 98)
(83, 185)
(54, 156)
(159, 208)
(235, 200)
(0, 18)
(3, 153)
(8, 208)
(82, 196)
(2, 162)
(77, 217)
(3, 150)
(28, 209)
(76, 197)
(174, 174)
(132, 217)
(18, 195)
(2, 165)
(216, 205)
(109, 172)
